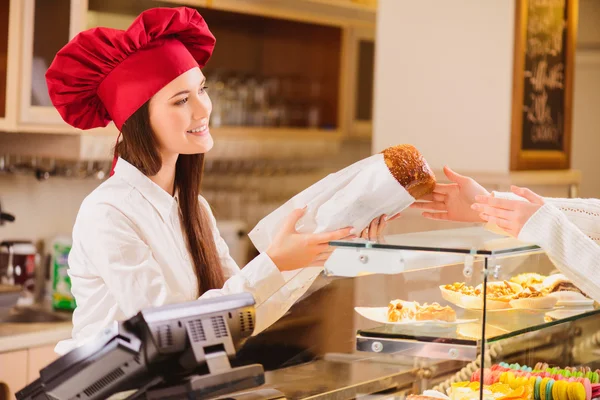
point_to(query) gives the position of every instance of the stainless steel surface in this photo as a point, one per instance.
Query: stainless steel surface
(323, 379)
(443, 351)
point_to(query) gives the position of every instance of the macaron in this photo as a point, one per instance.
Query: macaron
(576, 391)
(531, 382)
(562, 391)
(536, 388)
(595, 377)
(543, 388)
(555, 390)
(587, 385)
(549, 386)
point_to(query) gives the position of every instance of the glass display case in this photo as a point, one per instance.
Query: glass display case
(479, 299)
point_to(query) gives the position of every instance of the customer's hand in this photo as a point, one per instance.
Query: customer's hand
(292, 250)
(376, 228)
(452, 202)
(509, 215)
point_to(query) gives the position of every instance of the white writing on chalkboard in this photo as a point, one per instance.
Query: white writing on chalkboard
(545, 133)
(542, 78)
(539, 111)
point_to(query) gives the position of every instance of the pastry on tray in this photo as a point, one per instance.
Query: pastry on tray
(399, 310)
(462, 288)
(529, 292)
(528, 279)
(533, 298)
(559, 283)
(499, 291)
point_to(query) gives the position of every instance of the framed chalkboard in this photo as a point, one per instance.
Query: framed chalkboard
(545, 39)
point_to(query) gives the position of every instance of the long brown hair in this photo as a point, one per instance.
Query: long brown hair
(139, 147)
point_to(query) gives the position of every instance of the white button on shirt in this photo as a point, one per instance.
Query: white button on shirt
(129, 253)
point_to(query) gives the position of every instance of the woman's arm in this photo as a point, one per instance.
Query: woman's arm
(584, 213)
(572, 251)
(274, 291)
(535, 221)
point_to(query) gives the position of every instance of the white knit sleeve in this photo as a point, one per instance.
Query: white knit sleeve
(572, 251)
(584, 213)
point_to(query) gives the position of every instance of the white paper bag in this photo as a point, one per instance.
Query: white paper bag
(352, 197)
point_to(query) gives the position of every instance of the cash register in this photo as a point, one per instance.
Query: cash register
(178, 351)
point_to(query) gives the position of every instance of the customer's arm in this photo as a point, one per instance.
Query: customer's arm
(584, 213)
(571, 250)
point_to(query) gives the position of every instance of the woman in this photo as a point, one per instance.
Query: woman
(145, 237)
(567, 229)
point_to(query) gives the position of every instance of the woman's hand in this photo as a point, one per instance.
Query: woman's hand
(509, 215)
(375, 229)
(453, 201)
(292, 250)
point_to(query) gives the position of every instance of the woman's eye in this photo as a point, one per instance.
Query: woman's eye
(181, 102)
(203, 89)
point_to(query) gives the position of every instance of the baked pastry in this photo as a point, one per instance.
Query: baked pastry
(499, 291)
(528, 279)
(559, 283)
(409, 168)
(399, 310)
(462, 288)
(502, 291)
(528, 293)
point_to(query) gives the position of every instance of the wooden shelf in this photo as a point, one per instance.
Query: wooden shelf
(251, 132)
(362, 5)
(325, 12)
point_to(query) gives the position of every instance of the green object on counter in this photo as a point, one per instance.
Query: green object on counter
(62, 298)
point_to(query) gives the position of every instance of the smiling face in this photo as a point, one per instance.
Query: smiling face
(179, 115)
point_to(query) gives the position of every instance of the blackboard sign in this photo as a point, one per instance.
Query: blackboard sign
(543, 78)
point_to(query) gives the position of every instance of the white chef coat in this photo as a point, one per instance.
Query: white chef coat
(129, 253)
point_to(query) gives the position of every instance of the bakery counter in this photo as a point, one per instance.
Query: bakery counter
(33, 326)
(27, 347)
(334, 377)
(15, 336)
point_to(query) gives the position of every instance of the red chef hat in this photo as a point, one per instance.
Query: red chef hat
(106, 74)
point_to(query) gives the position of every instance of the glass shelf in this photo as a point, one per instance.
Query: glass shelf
(474, 241)
(501, 324)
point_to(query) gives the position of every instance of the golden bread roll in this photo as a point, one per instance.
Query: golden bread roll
(410, 169)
